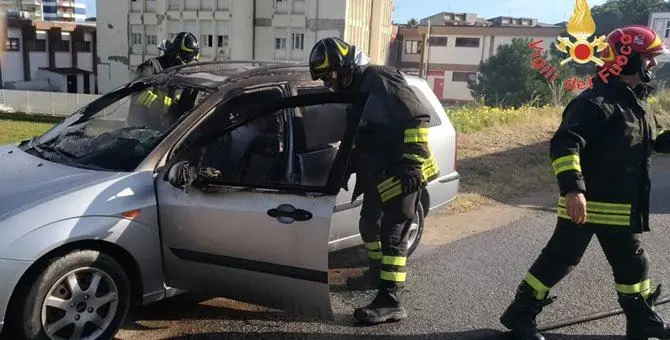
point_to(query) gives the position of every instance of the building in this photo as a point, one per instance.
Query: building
(236, 29)
(457, 48)
(64, 10)
(660, 23)
(49, 10)
(49, 56)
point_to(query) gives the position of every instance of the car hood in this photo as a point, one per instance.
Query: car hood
(26, 180)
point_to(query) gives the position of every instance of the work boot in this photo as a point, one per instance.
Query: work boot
(368, 280)
(642, 322)
(384, 308)
(519, 317)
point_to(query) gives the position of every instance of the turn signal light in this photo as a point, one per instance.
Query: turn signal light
(131, 214)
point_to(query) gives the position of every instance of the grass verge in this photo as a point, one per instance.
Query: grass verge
(13, 130)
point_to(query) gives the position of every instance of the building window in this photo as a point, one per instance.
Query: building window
(438, 41)
(37, 45)
(280, 43)
(207, 40)
(222, 41)
(12, 44)
(82, 46)
(413, 47)
(464, 76)
(136, 38)
(152, 40)
(467, 42)
(60, 45)
(667, 30)
(298, 41)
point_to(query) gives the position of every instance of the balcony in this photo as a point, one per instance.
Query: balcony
(65, 4)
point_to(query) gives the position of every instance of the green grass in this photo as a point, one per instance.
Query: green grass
(14, 130)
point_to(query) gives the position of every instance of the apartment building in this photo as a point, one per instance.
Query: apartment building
(455, 48)
(49, 56)
(64, 10)
(660, 23)
(236, 30)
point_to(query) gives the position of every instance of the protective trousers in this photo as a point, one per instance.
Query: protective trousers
(385, 230)
(568, 243)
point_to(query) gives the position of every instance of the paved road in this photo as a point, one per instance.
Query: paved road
(458, 286)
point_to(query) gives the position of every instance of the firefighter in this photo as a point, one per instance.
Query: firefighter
(182, 49)
(150, 106)
(393, 164)
(601, 154)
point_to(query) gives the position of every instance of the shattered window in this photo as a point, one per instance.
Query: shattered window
(118, 135)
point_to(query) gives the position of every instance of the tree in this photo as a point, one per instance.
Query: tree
(507, 78)
(413, 22)
(616, 13)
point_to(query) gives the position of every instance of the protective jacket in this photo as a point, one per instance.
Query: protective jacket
(150, 104)
(391, 148)
(602, 149)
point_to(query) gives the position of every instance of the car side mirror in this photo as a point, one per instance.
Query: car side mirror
(182, 174)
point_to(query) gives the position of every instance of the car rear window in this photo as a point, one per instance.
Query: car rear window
(434, 118)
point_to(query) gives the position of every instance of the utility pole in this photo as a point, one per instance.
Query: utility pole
(426, 53)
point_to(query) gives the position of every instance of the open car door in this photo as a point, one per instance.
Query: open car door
(255, 226)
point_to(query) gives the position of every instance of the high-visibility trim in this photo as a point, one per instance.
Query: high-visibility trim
(392, 276)
(609, 220)
(429, 167)
(623, 208)
(541, 290)
(419, 135)
(387, 184)
(391, 193)
(375, 254)
(373, 245)
(643, 288)
(566, 163)
(394, 260)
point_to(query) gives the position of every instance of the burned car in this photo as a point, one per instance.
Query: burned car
(97, 216)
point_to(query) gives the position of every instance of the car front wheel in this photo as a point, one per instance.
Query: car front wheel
(82, 295)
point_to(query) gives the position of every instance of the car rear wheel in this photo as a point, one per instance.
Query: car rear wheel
(416, 230)
(83, 295)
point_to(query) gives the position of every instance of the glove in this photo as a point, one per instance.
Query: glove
(662, 143)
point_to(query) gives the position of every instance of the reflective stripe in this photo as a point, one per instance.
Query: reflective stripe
(613, 214)
(393, 192)
(429, 166)
(394, 260)
(387, 184)
(416, 135)
(640, 287)
(373, 245)
(375, 254)
(393, 276)
(622, 208)
(611, 220)
(566, 163)
(540, 289)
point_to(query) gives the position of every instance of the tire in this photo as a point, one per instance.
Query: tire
(53, 282)
(415, 238)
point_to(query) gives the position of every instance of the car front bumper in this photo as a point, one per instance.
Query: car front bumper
(10, 274)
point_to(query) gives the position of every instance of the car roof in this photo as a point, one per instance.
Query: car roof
(216, 74)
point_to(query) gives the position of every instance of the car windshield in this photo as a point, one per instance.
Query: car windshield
(119, 130)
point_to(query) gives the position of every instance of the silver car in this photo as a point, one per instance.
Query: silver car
(98, 213)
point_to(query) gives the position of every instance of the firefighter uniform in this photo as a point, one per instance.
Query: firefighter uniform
(601, 149)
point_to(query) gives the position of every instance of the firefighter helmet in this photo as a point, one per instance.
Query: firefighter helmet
(632, 42)
(185, 47)
(331, 55)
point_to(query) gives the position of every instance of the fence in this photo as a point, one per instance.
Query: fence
(44, 103)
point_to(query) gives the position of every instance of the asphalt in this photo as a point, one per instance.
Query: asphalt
(454, 291)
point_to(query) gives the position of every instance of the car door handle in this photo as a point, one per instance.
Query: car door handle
(288, 214)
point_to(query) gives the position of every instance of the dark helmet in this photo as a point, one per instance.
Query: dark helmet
(185, 47)
(331, 55)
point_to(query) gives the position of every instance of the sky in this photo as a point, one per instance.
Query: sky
(90, 7)
(546, 11)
